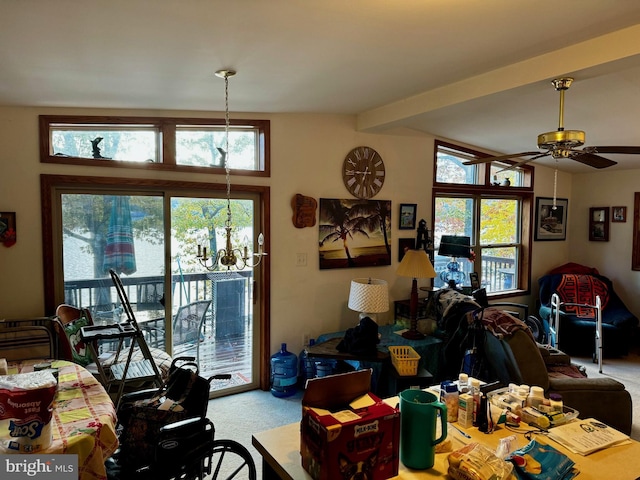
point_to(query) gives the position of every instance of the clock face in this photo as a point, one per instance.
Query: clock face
(363, 172)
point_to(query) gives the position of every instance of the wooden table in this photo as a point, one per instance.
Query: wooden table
(84, 418)
(280, 450)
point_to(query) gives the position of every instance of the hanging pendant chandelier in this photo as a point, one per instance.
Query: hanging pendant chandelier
(229, 256)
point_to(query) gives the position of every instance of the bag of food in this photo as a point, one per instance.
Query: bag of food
(26, 401)
(477, 462)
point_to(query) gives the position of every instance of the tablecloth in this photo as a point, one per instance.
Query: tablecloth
(84, 418)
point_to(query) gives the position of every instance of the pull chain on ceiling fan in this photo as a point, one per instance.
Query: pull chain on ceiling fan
(563, 143)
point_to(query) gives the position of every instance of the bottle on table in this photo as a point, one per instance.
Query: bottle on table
(450, 399)
(475, 394)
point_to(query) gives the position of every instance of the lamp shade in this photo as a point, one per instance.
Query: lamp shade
(369, 295)
(455, 246)
(416, 264)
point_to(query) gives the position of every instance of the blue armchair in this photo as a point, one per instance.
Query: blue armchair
(577, 327)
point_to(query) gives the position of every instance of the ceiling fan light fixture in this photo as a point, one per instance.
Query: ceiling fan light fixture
(561, 139)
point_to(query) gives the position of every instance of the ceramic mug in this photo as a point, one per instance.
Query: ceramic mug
(418, 416)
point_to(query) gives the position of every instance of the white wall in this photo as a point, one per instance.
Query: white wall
(605, 188)
(307, 152)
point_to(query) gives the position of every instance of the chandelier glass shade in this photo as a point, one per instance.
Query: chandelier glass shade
(229, 256)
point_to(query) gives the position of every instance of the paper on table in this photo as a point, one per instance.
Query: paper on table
(587, 436)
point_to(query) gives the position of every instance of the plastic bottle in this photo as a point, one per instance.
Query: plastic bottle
(556, 402)
(463, 383)
(475, 393)
(284, 372)
(451, 401)
(307, 367)
(536, 397)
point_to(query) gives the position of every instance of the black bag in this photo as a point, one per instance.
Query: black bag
(141, 420)
(361, 339)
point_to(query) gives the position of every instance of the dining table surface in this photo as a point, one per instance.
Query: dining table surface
(83, 417)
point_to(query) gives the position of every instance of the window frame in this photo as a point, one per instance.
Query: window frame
(166, 127)
(487, 190)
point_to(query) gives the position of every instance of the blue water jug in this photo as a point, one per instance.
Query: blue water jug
(307, 365)
(284, 372)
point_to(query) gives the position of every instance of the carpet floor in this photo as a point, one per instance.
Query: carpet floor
(237, 417)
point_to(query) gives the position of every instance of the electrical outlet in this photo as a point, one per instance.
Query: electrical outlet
(301, 259)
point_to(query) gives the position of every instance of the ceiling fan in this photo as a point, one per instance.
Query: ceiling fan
(563, 143)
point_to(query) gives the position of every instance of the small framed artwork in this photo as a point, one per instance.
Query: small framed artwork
(618, 214)
(408, 216)
(8, 228)
(405, 244)
(551, 221)
(475, 281)
(599, 224)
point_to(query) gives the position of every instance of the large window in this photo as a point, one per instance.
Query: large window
(490, 204)
(156, 143)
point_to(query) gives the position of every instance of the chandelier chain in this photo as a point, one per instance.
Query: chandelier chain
(226, 148)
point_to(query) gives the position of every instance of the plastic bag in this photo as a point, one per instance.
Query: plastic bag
(539, 461)
(477, 462)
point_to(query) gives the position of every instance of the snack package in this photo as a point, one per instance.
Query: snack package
(477, 462)
(25, 411)
(539, 461)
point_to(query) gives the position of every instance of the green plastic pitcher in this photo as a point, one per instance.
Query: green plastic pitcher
(418, 417)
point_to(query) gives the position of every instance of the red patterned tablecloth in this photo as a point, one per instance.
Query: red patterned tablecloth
(84, 418)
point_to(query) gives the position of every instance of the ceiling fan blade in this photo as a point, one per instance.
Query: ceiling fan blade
(595, 161)
(519, 164)
(500, 157)
(629, 150)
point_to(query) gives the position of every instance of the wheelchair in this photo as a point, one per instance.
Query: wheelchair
(165, 435)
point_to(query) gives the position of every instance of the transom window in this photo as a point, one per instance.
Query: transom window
(491, 205)
(156, 143)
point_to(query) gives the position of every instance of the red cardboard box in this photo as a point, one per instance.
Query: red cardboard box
(346, 430)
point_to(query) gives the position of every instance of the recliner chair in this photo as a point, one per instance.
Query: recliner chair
(577, 332)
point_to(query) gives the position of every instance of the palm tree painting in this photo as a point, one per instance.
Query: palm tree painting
(354, 233)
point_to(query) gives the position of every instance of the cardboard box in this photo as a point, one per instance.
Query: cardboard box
(346, 430)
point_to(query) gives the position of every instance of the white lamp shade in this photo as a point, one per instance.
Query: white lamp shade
(369, 295)
(416, 264)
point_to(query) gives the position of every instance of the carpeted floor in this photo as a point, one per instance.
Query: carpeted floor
(625, 370)
(238, 417)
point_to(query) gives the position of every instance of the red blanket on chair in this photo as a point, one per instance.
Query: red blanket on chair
(582, 289)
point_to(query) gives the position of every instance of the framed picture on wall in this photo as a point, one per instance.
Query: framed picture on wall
(405, 244)
(8, 228)
(599, 224)
(618, 214)
(551, 222)
(407, 216)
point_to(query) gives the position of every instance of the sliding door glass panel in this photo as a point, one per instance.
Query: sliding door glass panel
(120, 232)
(213, 315)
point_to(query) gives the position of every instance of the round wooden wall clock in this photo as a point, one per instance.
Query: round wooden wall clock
(363, 172)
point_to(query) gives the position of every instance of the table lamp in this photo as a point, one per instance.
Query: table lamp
(369, 296)
(415, 264)
(455, 247)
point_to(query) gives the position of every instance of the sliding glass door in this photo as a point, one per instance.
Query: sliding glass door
(151, 240)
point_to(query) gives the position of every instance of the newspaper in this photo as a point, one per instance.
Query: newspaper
(587, 436)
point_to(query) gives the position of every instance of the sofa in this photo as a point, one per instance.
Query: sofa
(506, 351)
(576, 283)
